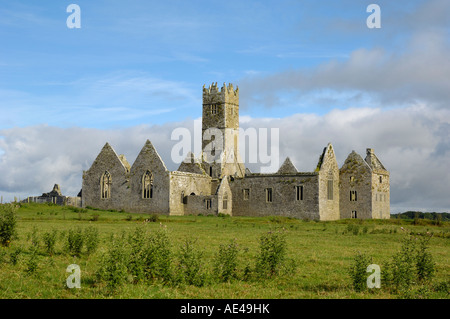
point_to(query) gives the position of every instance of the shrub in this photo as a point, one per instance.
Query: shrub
(50, 241)
(75, 240)
(225, 262)
(14, 256)
(425, 265)
(358, 271)
(32, 264)
(34, 236)
(157, 256)
(189, 264)
(272, 253)
(153, 218)
(400, 271)
(91, 239)
(137, 241)
(113, 265)
(7, 224)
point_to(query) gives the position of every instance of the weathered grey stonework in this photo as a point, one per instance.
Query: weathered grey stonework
(218, 181)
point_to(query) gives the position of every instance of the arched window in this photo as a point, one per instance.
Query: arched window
(105, 183)
(147, 185)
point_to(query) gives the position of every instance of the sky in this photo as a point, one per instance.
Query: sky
(313, 70)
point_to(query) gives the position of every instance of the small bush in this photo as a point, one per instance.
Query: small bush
(225, 262)
(113, 265)
(32, 264)
(50, 241)
(8, 222)
(358, 271)
(425, 265)
(272, 253)
(91, 239)
(157, 256)
(14, 256)
(189, 264)
(75, 241)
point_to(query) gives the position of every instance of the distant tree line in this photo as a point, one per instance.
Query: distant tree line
(421, 215)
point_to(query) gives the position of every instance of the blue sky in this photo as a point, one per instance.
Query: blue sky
(135, 70)
(145, 61)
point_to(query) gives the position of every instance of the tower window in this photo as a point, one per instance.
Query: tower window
(354, 214)
(106, 182)
(381, 179)
(352, 178)
(269, 195)
(214, 109)
(353, 196)
(246, 193)
(147, 185)
(208, 204)
(299, 192)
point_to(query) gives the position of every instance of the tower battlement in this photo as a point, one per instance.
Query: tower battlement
(226, 94)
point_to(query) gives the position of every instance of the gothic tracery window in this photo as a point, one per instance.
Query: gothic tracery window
(106, 185)
(147, 185)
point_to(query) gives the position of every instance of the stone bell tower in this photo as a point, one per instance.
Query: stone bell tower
(220, 131)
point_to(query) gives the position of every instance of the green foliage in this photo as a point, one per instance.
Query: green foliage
(412, 264)
(157, 256)
(91, 239)
(14, 256)
(32, 263)
(190, 264)
(50, 241)
(226, 262)
(358, 271)
(272, 253)
(425, 265)
(75, 241)
(7, 223)
(113, 264)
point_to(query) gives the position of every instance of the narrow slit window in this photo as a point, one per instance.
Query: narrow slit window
(269, 195)
(299, 192)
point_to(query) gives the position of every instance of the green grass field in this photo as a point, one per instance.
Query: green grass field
(322, 252)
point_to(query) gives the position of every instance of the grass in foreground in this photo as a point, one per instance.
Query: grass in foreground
(322, 253)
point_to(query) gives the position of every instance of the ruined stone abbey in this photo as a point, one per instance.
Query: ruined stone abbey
(218, 182)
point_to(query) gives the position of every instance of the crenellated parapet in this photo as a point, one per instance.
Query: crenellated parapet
(226, 94)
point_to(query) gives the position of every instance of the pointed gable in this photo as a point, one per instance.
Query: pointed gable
(326, 156)
(353, 162)
(149, 158)
(191, 165)
(373, 161)
(287, 167)
(108, 158)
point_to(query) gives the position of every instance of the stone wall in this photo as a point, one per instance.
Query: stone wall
(328, 185)
(107, 160)
(250, 195)
(183, 185)
(355, 176)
